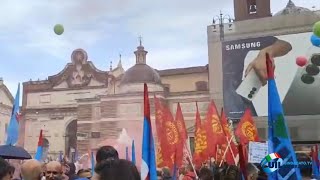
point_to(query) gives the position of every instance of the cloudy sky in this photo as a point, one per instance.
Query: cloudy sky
(173, 32)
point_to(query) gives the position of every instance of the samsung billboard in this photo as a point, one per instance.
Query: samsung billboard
(298, 86)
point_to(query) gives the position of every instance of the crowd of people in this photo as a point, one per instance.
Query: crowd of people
(110, 167)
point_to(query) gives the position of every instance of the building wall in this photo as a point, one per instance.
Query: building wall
(277, 25)
(53, 99)
(183, 83)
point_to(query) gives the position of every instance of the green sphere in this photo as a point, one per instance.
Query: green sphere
(58, 29)
(316, 29)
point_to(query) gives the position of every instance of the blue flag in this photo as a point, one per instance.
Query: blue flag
(13, 128)
(39, 152)
(127, 153)
(133, 153)
(148, 164)
(92, 163)
(278, 136)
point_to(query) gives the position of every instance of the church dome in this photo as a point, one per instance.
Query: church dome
(141, 73)
(291, 8)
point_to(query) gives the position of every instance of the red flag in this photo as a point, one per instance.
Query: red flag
(247, 130)
(232, 151)
(214, 129)
(243, 159)
(201, 148)
(183, 136)
(40, 142)
(181, 124)
(167, 132)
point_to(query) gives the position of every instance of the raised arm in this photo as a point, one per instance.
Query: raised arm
(277, 49)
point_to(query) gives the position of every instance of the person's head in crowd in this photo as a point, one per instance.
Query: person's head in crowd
(114, 169)
(232, 173)
(205, 174)
(106, 152)
(70, 171)
(165, 173)
(189, 173)
(6, 171)
(84, 173)
(252, 171)
(302, 157)
(53, 171)
(31, 170)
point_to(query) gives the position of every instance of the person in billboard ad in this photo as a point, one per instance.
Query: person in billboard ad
(240, 57)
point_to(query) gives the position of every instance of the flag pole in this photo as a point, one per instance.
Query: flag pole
(225, 152)
(191, 161)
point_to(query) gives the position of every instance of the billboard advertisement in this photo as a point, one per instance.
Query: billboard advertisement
(298, 85)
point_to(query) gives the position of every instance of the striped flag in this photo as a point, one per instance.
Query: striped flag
(148, 165)
(278, 136)
(39, 152)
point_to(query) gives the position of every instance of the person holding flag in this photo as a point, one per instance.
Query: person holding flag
(278, 137)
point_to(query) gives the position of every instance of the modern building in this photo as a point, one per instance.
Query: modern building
(253, 27)
(82, 106)
(6, 103)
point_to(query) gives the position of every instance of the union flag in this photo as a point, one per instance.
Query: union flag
(167, 132)
(214, 129)
(247, 130)
(201, 147)
(183, 136)
(160, 162)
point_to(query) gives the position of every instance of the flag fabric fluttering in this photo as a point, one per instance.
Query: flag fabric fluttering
(175, 167)
(183, 136)
(13, 128)
(214, 129)
(38, 155)
(200, 141)
(167, 132)
(148, 165)
(315, 162)
(246, 129)
(278, 136)
(133, 153)
(243, 160)
(92, 163)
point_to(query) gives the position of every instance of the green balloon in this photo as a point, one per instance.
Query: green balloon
(58, 29)
(316, 29)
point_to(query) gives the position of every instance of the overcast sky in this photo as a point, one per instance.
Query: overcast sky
(173, 31)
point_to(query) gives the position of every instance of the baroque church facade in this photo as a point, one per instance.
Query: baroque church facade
(82, 107)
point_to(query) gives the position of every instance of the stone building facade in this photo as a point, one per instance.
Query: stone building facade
(6, 103)
(82, 107)
(290, 20)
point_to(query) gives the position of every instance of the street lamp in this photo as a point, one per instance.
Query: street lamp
(221, 19)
